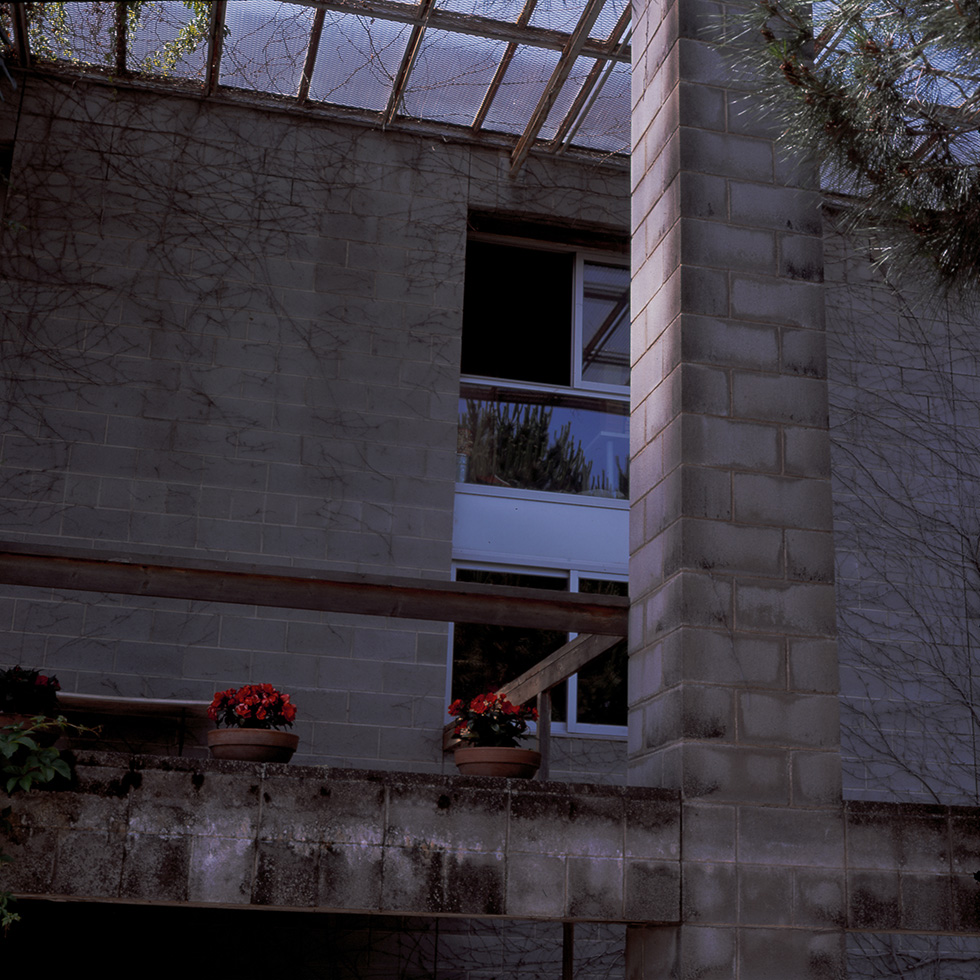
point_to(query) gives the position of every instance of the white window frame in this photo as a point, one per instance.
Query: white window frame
(582, 255)
(571, 726)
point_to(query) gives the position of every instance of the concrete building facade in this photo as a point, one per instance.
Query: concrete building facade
(235, 332)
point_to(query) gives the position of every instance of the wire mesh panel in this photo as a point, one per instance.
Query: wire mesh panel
(265, 46)
(358, 60)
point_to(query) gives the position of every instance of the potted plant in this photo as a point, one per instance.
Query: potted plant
(490, 727)
(26, 693)
(251, 716)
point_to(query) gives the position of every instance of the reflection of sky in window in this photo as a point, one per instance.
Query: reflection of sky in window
(451, 76)
(357, 60)
(265, 46)
(605, 324)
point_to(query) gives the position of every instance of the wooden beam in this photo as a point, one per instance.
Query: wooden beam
(557, 667)
(121, 25)
(572, 50)
(409, 56)
(216, 35)
(23, 37)
(364, 595)
(316, 32)
(449, 20)
(543, 676)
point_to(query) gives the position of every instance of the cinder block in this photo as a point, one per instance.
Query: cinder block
(819, 899)
(728, 443)
(803, 954)
(801, 609)
(791, 837)
(728, 773)
(725, 154)
(784, 502)
(652, 891)
(792, 720)
(722, 547)
(816, 778)
(728, 343)
(775, 300)
(765, 895)
(717, 244)
(768, 398)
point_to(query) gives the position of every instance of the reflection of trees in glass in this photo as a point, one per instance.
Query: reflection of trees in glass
(486, 657)
(601, 696)
(513, 445)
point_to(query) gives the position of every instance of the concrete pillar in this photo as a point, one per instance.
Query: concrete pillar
(733, 666)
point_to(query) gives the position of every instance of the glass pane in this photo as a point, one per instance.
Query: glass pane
(451, 76)
(608, 18)
(357, 60)
(557, 15)
(566, 96)
(606, 325)
(487, 657)
(607, 123)
(82, 33)
(602, 683)
(502, 10)
(542, 441)
(265, 46)
(169, 39)
(521, 89)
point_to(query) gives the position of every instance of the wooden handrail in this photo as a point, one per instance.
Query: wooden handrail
(91, 570)
(545, 675)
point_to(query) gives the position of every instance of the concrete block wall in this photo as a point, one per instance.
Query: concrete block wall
(905, 429)
(207, 833)
(233, 333)
(732, 548)
(732, 637)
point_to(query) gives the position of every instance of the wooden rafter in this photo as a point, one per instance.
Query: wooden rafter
(216, 32)
(23, 38)
(572, 50)
(498, 75)
(316, 32)
(120, 38)
(411, 52)
(456, 23)
(597, 76)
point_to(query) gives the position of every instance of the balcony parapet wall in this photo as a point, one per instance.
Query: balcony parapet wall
(174, 830)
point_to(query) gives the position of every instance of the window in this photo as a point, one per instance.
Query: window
(545, 365)
(486, 657)
(542, 457)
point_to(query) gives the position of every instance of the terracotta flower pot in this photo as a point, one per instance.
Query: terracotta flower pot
(513, 763)
(252, 744)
